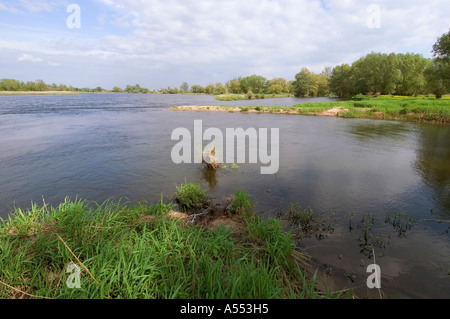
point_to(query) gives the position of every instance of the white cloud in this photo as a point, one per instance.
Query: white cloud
(205, 40)
(54, 64)
(29, 58)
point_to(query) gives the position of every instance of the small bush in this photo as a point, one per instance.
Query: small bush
(191, 196)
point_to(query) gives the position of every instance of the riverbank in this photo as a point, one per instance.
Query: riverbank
(424, 110)
(250, 96)
(39, 93)
(153, 251)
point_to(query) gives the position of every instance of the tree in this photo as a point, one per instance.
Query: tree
(321, 85)
(184, 87)
(341, 81)
(439, 73)
(220, 89)
(412, 68)
(197, 89)
(304, 83)
(117, 89)
(234, 86)
(441, 49)
(436, 82)
(376, 73)
(253, 83)
(278, 86)
(209, 89)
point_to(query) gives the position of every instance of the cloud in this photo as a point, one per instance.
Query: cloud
(204, 41)
(54, 64)
(29, 58)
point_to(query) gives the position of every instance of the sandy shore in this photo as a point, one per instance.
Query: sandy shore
(333, 112)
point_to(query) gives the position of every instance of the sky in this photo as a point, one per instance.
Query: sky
(158, 43)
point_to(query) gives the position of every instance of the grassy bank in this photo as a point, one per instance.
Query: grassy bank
(151, 251)
(252, 96)
(411, 109)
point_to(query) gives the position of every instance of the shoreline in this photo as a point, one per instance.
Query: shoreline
(150, 242)
(40, 93)
(414, 110)
(331, 112)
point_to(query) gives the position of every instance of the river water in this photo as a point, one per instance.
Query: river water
(101, 146)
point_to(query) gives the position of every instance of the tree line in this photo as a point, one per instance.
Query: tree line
(40, 85)
(374, 74)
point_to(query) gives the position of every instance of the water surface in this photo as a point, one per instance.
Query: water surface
(101, 146)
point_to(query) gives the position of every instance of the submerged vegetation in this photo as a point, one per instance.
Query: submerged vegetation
(151, 251)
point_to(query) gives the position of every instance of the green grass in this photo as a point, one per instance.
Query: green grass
(190, 196)
(240, 97)
(398, 108)
(137, 251)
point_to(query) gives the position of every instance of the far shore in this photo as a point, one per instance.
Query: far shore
(39, 92)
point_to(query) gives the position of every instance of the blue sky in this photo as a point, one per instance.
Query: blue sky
(164, 43)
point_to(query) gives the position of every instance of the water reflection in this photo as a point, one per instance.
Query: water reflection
(433, 164)
(368, 130)
(210, 176)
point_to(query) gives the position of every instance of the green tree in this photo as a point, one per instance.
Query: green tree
(321, 85)
(304, 83)
(341, 81)
(377, 73)
(441, 49)
(197, 89)
(253, 83)
(436, 81)
(209, 89)
(184, 87)
(117, 89)
(439, 73)
(278, 86)
(220, 89)
(412, 68)
(234, 86)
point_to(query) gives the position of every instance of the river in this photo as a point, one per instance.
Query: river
(101, 146)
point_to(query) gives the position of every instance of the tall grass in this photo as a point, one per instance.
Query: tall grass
(139, 251)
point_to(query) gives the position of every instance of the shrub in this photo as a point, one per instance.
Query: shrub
(190, 196)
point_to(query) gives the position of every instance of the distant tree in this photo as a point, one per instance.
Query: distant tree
(321, 85)
(209, 89)
(253, 83)
(278, 86)
(438, 75)
(412, 69)
(328, 71)
(30, 86)
(234, 86)
(441, 49)
(377, 73)
(117, 89)
(304, 83)
(220, 89)
(275, 89)
(184, 87)
(341, 81)
(197, 89)
(436, 81)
